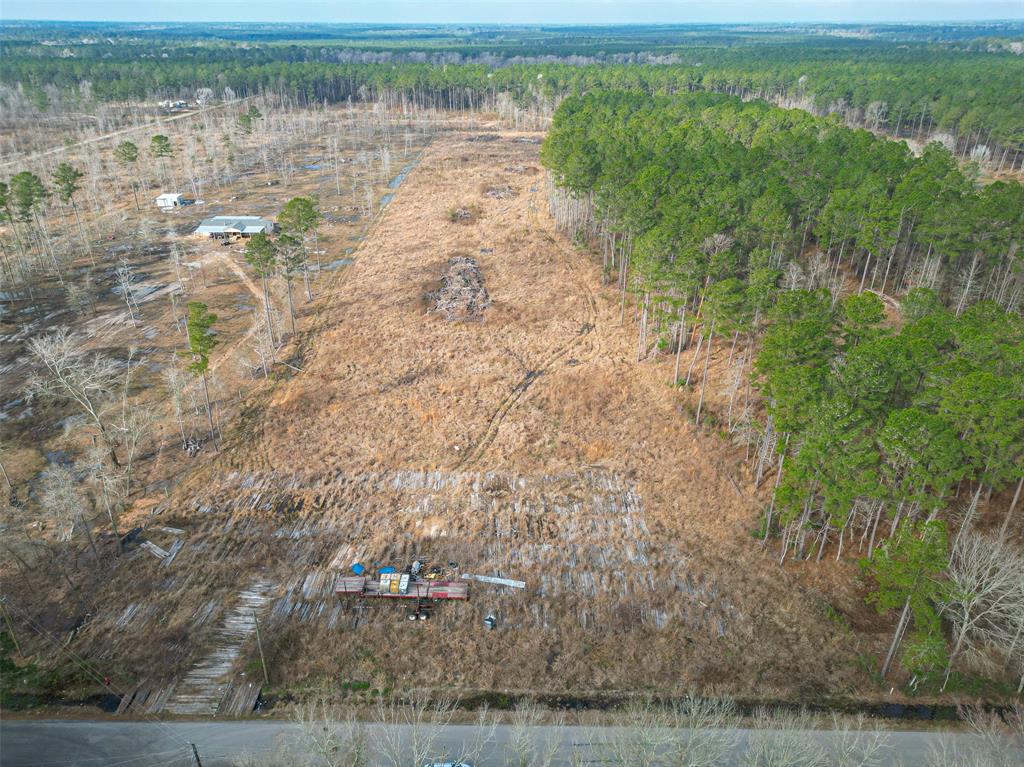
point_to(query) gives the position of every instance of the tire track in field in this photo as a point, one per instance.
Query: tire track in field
(483, 444)
(257, 457)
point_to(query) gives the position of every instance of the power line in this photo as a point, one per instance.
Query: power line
(83, 664)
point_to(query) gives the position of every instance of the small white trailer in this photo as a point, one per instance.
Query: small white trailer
(170, 200)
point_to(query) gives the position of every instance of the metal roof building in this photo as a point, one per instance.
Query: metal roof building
(244, 226)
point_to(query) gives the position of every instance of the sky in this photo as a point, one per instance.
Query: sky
(514, 11)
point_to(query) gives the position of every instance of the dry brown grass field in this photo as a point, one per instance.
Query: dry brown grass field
(526, 443)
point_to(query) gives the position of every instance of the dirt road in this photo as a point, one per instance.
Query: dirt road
(116, 133)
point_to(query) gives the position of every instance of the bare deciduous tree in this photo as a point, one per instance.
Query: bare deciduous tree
(985, 602)
(263, 347)
(176, 383)
(527, 745)
(472, 749)
(125, 277)
(71, 374)
(134, 426)
(995, 741)
(859, 743)
(329, 737)
(107, 484)
(780, 739)
(642, 741)
(1000, 736)
(63, 498)
(408, 731)
(706, 731)
(79, 295)
(697, 732)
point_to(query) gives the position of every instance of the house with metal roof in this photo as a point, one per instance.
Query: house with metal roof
(235, 226)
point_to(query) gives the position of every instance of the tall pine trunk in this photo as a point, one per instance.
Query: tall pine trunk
(291, 307)
(209, 413)
(897, 637)
(266, 308)
(704, 378)
(1009, 512)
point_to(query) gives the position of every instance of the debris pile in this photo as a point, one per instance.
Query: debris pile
(502, 192)
(462, 295)
(461, 215)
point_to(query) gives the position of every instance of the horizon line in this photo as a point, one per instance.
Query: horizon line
(786, 22)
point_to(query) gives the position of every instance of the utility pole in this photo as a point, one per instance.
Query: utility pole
(259, 644)
(195, 755)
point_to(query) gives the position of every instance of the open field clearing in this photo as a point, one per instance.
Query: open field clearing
(494, 442)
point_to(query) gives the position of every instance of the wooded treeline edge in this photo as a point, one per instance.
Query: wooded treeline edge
(905, 90)
(741, 221)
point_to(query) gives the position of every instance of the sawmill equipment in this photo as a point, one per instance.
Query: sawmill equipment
(420, 582)
(401, 586)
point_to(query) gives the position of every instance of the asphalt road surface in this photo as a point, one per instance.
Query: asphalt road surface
(31, 743)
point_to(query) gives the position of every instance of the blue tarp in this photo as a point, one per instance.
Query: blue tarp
(386, 570)
(358, 569)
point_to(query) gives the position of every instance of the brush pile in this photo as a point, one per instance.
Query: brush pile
(502, 192)
(462, 295)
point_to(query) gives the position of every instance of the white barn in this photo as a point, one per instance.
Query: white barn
(235, 226)
(170, 200)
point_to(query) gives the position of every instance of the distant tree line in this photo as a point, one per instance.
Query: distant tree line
(901, 88)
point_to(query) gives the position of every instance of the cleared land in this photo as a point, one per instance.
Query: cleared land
(170, 266)
(525, 442)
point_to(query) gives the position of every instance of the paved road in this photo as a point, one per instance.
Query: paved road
(147, 744)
